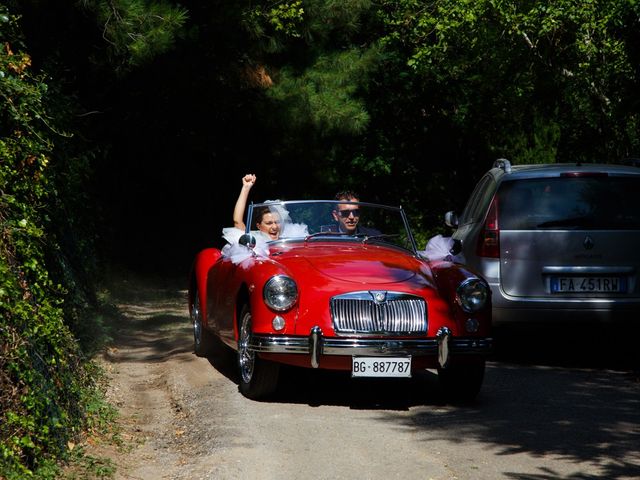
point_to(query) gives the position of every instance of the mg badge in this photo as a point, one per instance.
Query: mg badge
(379, 297)
(588, 243)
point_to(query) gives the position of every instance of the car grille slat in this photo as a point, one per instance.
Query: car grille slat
(397, 313)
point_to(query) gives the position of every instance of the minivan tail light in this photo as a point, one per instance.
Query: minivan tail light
(489, 237)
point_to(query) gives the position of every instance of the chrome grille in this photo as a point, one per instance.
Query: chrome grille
(379, 313)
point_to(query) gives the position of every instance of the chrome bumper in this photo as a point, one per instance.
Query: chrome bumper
(317, 345)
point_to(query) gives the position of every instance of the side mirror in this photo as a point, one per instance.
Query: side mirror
(451, 219)
(247, 240)
(456, 248)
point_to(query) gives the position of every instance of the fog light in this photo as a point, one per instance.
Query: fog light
(277, 323)
(472, 325)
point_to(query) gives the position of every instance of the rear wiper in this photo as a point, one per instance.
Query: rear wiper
(566, 222)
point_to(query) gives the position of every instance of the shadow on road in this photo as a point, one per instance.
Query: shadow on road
(563, 393)
(583, 415)
(321, 387)
(577, 346)
(317, 387)
(570, 396)
(555, 399)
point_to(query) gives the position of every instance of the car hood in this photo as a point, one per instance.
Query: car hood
(369, 264)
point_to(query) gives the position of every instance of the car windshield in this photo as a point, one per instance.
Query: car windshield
(310, 220)
(594, 203)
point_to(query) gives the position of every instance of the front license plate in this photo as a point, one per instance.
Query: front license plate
(381, 367)
(588, 285)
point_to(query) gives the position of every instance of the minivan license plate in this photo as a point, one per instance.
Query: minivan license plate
(381, 367)
(588, 285)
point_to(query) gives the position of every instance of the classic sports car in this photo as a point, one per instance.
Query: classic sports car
(362, 300)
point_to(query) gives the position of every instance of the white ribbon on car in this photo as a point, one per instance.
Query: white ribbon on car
(439, 248)
(238, 253)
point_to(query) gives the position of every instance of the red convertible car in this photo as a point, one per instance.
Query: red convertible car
(360, 299)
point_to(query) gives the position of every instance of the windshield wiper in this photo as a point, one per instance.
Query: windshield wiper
(327, 234)
(380, 236)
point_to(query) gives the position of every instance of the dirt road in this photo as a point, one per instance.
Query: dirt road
(185, 418)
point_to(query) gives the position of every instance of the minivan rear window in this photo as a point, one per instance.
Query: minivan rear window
(594, 203)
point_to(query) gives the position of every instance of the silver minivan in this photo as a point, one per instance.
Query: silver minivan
(555, 241)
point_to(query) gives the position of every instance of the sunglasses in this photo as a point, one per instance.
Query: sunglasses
(346, 213)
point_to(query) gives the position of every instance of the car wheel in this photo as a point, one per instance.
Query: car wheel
(258, 378)
(202, 338)
(462, 383)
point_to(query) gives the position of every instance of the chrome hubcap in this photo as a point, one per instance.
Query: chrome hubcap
(246, 358)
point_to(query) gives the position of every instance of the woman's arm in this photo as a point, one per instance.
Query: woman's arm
(238, 211)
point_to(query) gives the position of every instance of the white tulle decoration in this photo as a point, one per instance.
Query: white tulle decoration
(238, 253)
(232, 234)
(439, 248)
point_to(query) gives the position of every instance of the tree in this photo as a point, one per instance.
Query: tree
(542, 82)
(47, 386)
(42, 378)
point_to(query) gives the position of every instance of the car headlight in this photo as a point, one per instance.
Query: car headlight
(280, 293)
(472, 294)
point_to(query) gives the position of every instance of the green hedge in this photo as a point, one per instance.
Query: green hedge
(45, 384)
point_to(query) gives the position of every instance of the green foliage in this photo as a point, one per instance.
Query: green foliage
(137, 30)
(318, 23)
(320, 66)
(286, 18)
(530, 68)
(325, 95)
(336, 23)
(44, 381)
(539, 145)
(321, 88)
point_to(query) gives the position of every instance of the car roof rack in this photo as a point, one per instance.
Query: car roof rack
(504, 164)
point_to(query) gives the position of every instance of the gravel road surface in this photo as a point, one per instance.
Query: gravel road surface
(183, 417)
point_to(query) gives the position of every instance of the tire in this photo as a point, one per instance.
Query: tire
(257, 378)
(462, 383)
(203, 341)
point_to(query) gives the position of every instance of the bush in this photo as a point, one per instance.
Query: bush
(44, 380)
